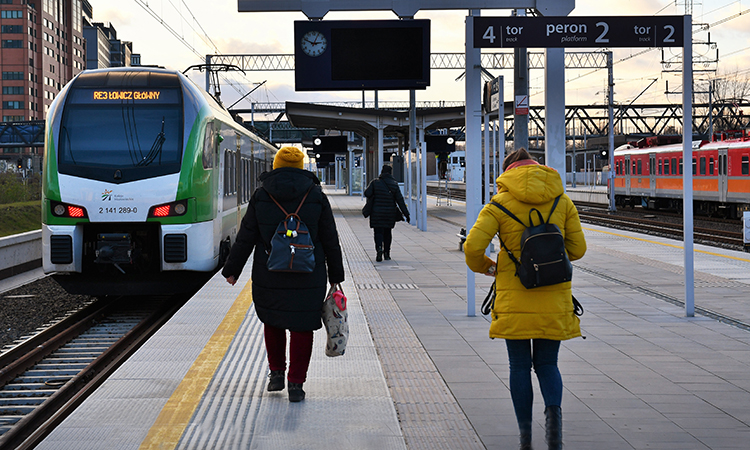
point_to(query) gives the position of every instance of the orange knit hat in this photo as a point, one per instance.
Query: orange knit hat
(289, 157)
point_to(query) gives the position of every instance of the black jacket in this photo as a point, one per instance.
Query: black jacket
(385, 195)
(288, 300)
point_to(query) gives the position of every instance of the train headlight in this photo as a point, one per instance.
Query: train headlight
(60, 209)
(172, 209)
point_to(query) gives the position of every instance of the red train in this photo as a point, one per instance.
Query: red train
(649, 173)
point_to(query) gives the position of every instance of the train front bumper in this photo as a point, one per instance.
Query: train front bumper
(183, 247)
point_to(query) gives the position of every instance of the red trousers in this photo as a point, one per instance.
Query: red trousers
(300, 351)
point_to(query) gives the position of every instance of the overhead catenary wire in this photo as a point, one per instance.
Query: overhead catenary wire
(205, 38)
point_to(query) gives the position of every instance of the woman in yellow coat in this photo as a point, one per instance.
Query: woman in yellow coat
(532, 321)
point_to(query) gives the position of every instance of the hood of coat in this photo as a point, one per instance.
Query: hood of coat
(387, 176)
(288, 183)
(532, 184)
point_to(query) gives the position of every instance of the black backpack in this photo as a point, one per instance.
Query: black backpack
(543, 260)
(292, 248)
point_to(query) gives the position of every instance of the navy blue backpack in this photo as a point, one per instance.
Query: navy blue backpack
(292, 248)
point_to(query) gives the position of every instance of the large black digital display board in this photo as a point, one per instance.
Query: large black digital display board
(362, 55)
(578, 31)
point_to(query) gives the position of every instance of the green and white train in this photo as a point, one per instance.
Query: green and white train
(146, 178)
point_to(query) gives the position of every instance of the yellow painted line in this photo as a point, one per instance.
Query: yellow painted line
(175, 416)
(668, 245)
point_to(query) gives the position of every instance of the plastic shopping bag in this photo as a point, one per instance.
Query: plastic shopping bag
(335, 320)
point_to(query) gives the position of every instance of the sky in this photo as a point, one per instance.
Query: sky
(173, 33)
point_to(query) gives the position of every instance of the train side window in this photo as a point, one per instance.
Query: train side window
(226, 173)
(674, 166)
(710, 166)
(745, 165)
(681, 166)
(640, 167)
(666, 167)
(209, 143)
(695, 167)
(661, 166)
(703, 165)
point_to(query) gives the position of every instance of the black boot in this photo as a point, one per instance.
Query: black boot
(387, 255)
(554, 427)
(296, 394)
(525, 432)
(275, 381)
(379, 249)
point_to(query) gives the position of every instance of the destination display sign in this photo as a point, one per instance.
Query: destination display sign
(572, 31)
(127, 95)
(90, 96)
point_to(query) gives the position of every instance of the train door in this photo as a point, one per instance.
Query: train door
(627, 174)
(723, 174)
(652, 174)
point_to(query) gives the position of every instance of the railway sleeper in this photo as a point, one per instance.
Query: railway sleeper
(17, 410)
(26, 389)
(51, 366)
(22, 401)
(8, 420)
(51, 380)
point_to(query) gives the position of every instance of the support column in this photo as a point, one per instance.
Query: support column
(687, 165)
(473, 115)
(554, 100)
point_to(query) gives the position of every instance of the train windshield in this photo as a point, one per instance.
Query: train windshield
(121, 134)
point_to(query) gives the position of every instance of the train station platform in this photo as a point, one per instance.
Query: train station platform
(420, 374)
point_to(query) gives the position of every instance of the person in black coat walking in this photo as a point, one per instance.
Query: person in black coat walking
(388, 207)
(283, 300)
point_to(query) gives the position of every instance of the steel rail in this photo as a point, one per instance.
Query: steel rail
(37, 424)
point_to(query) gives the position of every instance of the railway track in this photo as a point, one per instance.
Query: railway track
(707, 230)
(47, 376)
(662, 228)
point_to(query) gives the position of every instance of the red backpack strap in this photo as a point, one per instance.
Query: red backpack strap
(298, 207)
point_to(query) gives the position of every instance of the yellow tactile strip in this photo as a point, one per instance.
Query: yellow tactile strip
(175, 416)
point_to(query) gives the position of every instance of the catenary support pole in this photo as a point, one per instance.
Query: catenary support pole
(687, 165)
(473, 116)
(554, 102)
(611, 128)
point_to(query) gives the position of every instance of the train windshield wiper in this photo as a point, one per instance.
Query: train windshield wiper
(155, 148)
(66, 133)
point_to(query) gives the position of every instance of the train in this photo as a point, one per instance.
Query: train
(648, 173)
(145, 180)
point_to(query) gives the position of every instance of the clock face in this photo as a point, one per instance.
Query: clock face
(314, 43)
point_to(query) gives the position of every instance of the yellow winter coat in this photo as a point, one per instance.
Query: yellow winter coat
(519, 313)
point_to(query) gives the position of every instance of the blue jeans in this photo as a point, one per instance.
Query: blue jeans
(544, 360)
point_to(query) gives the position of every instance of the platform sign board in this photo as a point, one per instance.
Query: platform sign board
(521, 105)
(571, 31)
(492, 100)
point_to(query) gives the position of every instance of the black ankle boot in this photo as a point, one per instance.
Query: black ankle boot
(379, 257)
(387, 255)
(275, 381)
(525, 436)
(296, 394)
(554, 427)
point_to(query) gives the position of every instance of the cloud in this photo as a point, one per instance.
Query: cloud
(235, 46)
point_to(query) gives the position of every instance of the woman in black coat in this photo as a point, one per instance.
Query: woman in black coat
(283, 300)
(388, 207)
